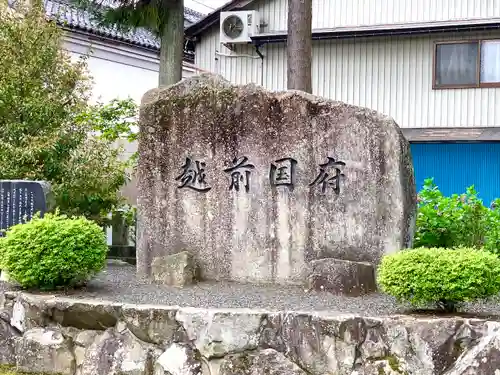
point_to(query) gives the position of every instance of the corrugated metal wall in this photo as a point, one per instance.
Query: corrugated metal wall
(393, 76)
(338, 13)
(456, 166)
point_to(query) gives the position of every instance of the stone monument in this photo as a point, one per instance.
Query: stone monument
(269, 187)
(21, 199)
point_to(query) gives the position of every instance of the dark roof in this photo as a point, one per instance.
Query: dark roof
(70, 16)
(204, 23)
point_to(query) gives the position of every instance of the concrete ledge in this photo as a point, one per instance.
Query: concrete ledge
(86, 337)
(466, 134)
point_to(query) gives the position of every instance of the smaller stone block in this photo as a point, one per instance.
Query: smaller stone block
(8, 337)
(45, 351)
(176, 270)
(342, 277)
(484, 358)
(177, 360)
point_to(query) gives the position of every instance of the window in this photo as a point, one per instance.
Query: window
(467, 64)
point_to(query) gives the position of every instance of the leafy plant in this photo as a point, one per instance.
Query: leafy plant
(492, 242)
(445, 277)
(46, 124)
(53, 251)
(114, 120)
(459, 220)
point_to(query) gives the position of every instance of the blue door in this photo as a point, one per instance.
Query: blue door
(456, 166)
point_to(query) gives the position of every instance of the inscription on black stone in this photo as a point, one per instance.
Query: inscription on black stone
(20, 200)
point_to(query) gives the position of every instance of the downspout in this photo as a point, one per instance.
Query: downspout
(259, 53)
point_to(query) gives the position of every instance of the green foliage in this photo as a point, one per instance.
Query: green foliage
(46, 123)
(459, 220)
(9, 370)
(40, 89)
(492, 242)
(113, 122)
(91, 181)
(129, 14)
(53, 251)
(445, 277)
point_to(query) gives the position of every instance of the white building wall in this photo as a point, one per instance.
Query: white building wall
(118, 71)
(391, 75)
(342, 13)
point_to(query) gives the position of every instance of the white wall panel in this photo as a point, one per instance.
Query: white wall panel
(342, 13)
(392, 75)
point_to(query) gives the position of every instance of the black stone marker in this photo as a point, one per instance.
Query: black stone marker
(20, 200)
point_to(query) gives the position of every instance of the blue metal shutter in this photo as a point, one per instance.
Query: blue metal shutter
(456, 166)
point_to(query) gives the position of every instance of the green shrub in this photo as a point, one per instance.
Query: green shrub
(53, 251)
(459, 220)
(492, 241)
(445, 277)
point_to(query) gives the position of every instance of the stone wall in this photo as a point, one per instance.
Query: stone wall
(68, 336)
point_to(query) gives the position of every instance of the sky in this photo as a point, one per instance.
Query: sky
(204, 6)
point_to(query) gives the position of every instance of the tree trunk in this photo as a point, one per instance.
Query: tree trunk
(172, 44)
(299, 45)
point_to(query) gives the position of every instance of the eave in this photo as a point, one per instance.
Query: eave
(388, 30)
(451, 135)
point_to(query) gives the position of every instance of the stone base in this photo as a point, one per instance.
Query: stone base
(342, 277)
(176, 270)
(87, 337)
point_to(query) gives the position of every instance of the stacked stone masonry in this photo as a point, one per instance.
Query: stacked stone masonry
(68, 336)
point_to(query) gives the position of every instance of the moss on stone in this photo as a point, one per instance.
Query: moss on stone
(11, 370)
(458, 349)
(237, 364)
(395, 365)
(224, 96)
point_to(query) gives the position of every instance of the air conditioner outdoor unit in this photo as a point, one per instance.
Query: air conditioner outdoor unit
(239, 27)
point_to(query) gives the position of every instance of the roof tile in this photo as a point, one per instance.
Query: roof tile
(73, 17)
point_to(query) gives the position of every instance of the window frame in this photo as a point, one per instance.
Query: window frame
(478, 83)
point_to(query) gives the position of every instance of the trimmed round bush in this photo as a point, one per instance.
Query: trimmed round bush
(445, 277)
(53, 251)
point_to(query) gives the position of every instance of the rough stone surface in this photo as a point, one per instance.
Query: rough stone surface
(8, 336)
(28, 313)
(267, 361)
(217, 333)
(177, 360)
(177, 269)
(87, 314)
(117, 354)
(45, 351)
(379, 367)
(270, 232)
(164, 340)
(484, 358)
(342, 276)
(152, 324)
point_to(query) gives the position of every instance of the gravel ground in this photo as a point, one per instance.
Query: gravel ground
(118, 283)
